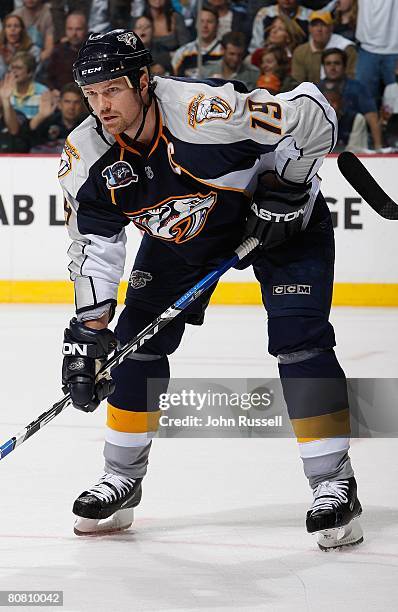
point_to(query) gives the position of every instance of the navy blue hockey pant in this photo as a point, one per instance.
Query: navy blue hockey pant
(296, 281)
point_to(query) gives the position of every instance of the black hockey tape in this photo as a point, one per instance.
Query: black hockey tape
(363, 182)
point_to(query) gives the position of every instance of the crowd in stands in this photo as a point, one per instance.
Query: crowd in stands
(349, 48)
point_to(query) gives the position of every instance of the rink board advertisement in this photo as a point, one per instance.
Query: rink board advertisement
(33, 263)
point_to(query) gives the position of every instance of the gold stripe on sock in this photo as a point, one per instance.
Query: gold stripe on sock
(128, 421)
(324, 426)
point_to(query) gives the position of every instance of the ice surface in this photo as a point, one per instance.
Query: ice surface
(221, 524)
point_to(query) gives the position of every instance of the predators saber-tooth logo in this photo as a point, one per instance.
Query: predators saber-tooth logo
(176, 219)
(203, 109)
(69, 153)
(129, 39)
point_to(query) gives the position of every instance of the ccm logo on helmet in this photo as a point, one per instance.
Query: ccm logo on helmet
(91, 70)
(267, 215)
(74, 349)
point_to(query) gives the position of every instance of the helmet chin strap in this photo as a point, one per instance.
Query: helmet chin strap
(145, 107)
(98, 125)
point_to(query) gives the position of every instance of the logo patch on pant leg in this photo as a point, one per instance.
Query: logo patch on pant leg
(291, 289)
(139, 279)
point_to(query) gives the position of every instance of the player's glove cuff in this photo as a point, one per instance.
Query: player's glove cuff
(85, 350)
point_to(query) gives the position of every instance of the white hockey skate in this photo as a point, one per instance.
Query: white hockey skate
(108, 507)
(334, 514)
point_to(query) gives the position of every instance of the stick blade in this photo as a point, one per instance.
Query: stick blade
(363, 182)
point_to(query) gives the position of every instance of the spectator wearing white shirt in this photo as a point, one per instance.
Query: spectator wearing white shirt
(377, 32)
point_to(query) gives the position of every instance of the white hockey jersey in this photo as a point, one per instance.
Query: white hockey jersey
(191, 188)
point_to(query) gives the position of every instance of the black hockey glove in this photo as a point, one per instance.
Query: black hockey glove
(275, 216)
(85, 350)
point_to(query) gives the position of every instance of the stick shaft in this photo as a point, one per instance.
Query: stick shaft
(144, 336)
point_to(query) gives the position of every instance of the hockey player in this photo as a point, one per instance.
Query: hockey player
(182, 159)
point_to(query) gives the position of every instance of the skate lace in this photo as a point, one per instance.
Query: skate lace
(111, 487)
(329, 495)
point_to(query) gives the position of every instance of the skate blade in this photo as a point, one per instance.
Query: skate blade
(119, 521)
(349, 535)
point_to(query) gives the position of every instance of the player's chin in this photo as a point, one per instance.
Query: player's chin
(113, 127)
(113, 131)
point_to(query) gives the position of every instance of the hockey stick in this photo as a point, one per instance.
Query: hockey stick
(146, 334)
(363, 182)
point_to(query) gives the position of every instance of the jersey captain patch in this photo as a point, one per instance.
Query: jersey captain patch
(176, 219)
(119, 174)
(202, 109)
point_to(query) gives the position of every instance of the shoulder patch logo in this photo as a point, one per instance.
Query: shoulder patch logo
(119, 174)
(138, 279)
(69, 153)
(202, 109)
(129, 39)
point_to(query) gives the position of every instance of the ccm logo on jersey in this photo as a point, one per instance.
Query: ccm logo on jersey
(70, 348)
(267, 215)
(291, 289)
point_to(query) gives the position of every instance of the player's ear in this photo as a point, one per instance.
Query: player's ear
(144, 81)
